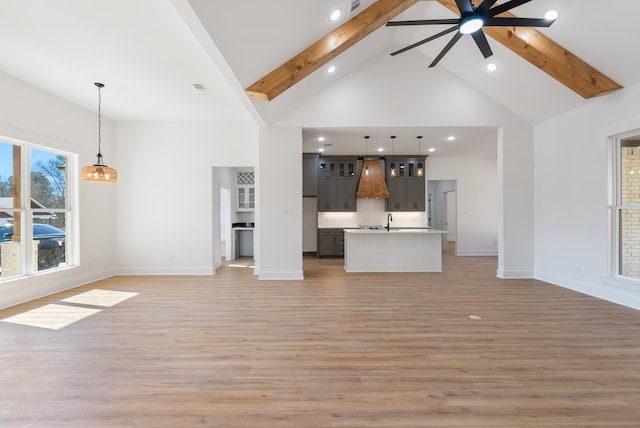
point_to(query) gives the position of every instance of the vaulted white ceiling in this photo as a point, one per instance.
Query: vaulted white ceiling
(149, 53)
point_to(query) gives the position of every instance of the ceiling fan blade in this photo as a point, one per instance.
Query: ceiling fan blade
(485, 6)
(446, 49)
(464, 6)
(423, 22)
(506, 6)
(423, 41)
(517, 22)
(483, 44)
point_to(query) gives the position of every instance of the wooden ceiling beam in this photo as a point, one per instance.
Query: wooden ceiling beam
(549, 57)
(327, 48)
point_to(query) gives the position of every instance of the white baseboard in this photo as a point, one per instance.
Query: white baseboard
(163, 271)
(608, 288)
(514, 274)
(476, 252)
(25, 289)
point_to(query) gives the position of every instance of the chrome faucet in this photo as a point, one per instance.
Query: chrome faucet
(389, 218)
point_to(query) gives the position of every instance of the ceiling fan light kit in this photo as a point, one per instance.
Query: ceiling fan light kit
(471, 25)
(471, 21)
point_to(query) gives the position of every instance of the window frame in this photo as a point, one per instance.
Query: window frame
(27, 212)
(616, 206)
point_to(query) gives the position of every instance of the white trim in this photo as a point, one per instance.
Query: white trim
(27, 288)
(514, 274)
(477, 253)
(163, 271)
(610, 289)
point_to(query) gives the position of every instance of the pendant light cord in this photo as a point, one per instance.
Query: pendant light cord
(100, 86)
(99, 120)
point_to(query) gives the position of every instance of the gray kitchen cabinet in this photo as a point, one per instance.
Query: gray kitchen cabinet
(337, 183)
(415, 195)
(346, 198)
(397, 195)
(327, 195)
(310, 174)
(330, 243)
(406, 186)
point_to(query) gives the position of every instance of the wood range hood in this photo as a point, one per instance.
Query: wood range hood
(371, 184)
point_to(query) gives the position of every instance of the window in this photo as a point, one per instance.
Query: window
(35, 211)
(626, 216)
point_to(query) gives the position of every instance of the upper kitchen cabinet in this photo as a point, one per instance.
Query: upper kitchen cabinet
(246, 190)
(405, 179)
(338, 167)
(310, 174)
(337, 183)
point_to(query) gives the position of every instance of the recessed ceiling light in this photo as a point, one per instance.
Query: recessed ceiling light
(320, 138)
(331, 69)
(451, 138)
(380, 149)
(335, 14)
(321, 149)
(551, 15)
(491, 67)
(431, 149)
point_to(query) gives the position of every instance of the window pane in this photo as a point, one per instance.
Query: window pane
(10, 251)
(48, 180)
(49, 233)
(629, 251)
(630, 172)
(10, 241)
(8, 153)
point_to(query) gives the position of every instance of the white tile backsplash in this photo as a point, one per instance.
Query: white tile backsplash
(371, 212)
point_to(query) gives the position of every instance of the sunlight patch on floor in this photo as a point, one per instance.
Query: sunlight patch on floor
(97, 297)
(241, 265)
(53, 317)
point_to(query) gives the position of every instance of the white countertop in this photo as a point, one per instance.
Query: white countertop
(393, 231)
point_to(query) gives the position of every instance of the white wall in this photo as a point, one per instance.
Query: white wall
(571, 196)
(167, 202)
(477, 190)
(31, 115)
(434, 97)
(280, 203)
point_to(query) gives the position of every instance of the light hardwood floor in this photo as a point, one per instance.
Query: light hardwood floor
(335, 350)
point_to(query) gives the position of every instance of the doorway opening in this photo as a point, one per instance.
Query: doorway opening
(442, 210)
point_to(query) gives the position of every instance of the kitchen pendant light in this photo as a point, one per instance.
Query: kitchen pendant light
(366, 151)
(99, 172)
(420, 167)
(393, 153)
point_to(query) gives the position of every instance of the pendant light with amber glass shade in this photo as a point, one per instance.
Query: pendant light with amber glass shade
(99, 172)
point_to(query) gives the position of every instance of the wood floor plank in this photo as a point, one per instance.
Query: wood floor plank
(334, 350)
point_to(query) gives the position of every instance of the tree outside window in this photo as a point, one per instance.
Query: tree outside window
(34, 210)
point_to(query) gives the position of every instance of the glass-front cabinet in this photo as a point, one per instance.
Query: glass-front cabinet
(406, 182)
(246, 191)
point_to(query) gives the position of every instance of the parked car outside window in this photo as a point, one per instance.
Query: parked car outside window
(51, 246)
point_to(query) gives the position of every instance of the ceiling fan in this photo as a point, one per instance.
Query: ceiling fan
(471, 21)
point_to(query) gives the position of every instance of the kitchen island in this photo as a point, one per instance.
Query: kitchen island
(394, 250)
